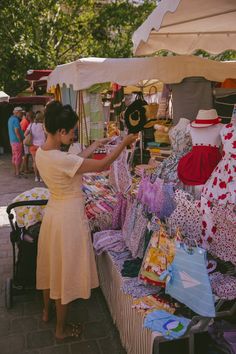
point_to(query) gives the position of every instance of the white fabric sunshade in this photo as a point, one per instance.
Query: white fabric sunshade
(84, 73)
(183, 26)
(4, 97)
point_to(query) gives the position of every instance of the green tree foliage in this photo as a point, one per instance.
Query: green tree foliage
(40, 34)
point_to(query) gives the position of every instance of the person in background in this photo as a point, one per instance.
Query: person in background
(16, 137)
(38, 138)
(25, 122)
(66, 267)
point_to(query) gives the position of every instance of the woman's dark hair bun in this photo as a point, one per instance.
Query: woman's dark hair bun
(53, 107)
(59, 117)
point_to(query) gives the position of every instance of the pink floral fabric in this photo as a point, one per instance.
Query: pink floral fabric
(223, 285)
(223, 243)
(120, 177)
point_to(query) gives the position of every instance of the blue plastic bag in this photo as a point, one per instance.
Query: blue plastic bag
(188, 280)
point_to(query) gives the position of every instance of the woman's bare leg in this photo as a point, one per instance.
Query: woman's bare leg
(61, 331)
(46, 301)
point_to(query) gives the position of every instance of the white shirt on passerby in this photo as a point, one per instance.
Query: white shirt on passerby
(38, 133)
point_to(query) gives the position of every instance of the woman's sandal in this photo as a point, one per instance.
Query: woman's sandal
(76, 330)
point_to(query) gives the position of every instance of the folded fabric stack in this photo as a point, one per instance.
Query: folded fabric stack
(100, 200)
(159, 151)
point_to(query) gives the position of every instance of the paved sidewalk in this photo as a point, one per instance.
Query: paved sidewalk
(21, 328)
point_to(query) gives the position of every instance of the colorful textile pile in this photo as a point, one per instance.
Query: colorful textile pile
(100, 200)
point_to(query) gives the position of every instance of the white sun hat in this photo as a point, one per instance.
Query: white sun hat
(17, 109)
(206, 118)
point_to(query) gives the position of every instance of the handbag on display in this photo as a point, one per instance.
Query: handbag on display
(159, 255)
(136, 115)
(187, 280)
(28, 139)
(161, 133)
(152, 107)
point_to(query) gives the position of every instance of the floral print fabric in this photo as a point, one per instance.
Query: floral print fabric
(159, 254)
(223, 242)
(220, 190)
(156, 196)
(119, 212)
(223, 285)
(181, 144)
(135, 242)
(186, 216)
(120, 177)
(29, 215)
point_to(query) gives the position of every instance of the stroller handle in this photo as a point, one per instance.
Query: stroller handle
(25, 203)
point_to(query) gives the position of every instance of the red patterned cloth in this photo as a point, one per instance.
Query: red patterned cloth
(219, 194)
(196, 167)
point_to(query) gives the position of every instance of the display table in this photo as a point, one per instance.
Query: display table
(134, 337)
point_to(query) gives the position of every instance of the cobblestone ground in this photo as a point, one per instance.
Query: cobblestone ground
(21, 328)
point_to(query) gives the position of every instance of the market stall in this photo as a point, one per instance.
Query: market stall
(80, 84)
(110, 246)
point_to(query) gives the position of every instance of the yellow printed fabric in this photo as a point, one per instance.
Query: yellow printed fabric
(30, 215)
(159, 254)
(149, 303)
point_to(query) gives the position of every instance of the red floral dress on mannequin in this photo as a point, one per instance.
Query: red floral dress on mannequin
(218, 233)
(196, 167)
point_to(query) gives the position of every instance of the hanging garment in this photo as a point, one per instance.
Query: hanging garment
(220, 190)
(188, 281)
(119, 212)
(190, 95)
(181, 144)
(135, 242)
(187, 216)
(93, 116)
(219, 223)
(196, 167)
(68, 96)
(156, 196)
(129, 219)
(120, 177)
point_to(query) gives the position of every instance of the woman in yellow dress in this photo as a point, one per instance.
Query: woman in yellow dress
(66, 268)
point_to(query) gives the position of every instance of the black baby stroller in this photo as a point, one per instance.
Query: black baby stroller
(24, 243)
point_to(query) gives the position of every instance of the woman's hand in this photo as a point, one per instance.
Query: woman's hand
(101, 142)
(130, 139)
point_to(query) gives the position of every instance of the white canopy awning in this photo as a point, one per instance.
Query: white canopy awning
(84, 73)
(183, 26)
(4, 97)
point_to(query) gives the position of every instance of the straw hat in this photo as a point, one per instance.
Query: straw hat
(206, 118)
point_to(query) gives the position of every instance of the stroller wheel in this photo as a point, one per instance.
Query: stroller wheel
(8, 293)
